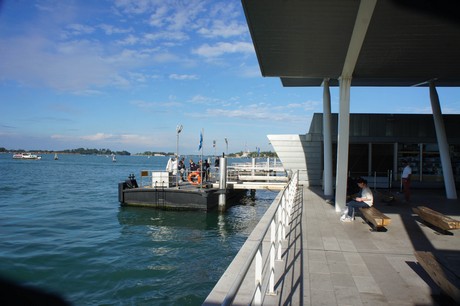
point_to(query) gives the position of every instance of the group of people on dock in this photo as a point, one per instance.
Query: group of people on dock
(178, 168)
(203, 168)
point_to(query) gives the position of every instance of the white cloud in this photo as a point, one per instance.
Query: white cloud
(157, 19)
(164, 35)
(36, 61)
(222, 48)
(185, 14)
(183, 76)
(134, 6)
(107, 140)
(80, 29)
(110, 29)
(97, 137)
(220, 28)
(135, 139)
(156, 107)
(265, 112)
(129, 40)
(307, 106)
(200, 99)
(249, 71)
(165, 57)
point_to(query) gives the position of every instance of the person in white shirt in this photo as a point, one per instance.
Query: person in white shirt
(405, 177)
(365, 199)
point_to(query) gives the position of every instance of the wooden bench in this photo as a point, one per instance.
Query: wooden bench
(374, 216)
(437, 219)
(439, 271)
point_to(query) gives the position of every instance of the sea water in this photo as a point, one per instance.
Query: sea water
(62, 230)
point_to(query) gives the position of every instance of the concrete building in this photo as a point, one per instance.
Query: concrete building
(358, 43)
(378, 144)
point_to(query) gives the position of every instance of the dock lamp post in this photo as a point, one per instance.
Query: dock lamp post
(178, 130)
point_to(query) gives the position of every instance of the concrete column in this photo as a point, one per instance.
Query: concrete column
(420, 161)
(327, 139)
(449, 182)
(369, 159)
(395, 161)
(342, 144)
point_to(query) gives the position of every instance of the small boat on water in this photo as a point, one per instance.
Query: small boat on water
(114, 159)
(26, 156)
(56, 156)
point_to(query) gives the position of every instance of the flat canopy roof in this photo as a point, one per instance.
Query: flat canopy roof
(403, 43)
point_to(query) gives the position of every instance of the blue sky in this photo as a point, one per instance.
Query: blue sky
(123, 74)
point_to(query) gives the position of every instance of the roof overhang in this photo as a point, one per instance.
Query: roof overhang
(402, 42)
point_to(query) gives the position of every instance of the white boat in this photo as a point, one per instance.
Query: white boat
(26, 156)
(56, 156)
(114, 159)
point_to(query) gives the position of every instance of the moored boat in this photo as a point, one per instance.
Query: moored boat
(26, 156)
(158, 189)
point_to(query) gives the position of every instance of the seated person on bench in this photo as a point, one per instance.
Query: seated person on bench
(365, 199)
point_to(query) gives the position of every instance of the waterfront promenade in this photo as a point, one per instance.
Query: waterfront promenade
(327, 262)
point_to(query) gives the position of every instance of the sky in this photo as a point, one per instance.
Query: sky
(123, 74)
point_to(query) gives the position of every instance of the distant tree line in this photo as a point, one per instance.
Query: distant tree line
(148, 153)
(87, 151)
(95, 151)
(72, 151)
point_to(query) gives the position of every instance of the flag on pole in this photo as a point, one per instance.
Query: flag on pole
(201, 141)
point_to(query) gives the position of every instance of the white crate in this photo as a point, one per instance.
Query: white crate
(160, 179)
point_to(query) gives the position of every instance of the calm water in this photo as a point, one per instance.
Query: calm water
(63, 230)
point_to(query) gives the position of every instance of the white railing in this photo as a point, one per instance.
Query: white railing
(270, 165)
(273, 227)
(269, 170)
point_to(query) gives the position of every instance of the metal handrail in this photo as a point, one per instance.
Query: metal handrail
(279, 221)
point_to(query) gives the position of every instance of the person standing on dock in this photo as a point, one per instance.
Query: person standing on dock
(405, 177)
(192, 165)
(206, 167)
(171, 167)
(174, 166)
(181, 168)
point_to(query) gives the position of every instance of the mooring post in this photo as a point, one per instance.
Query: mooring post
(223, 184)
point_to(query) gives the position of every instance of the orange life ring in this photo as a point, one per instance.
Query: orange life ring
(192, 176)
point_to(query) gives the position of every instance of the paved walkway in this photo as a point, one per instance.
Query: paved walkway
(327, 262)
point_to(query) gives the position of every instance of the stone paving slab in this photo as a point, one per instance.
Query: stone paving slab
(328, 262)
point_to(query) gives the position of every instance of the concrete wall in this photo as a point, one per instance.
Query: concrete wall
(300, 152)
